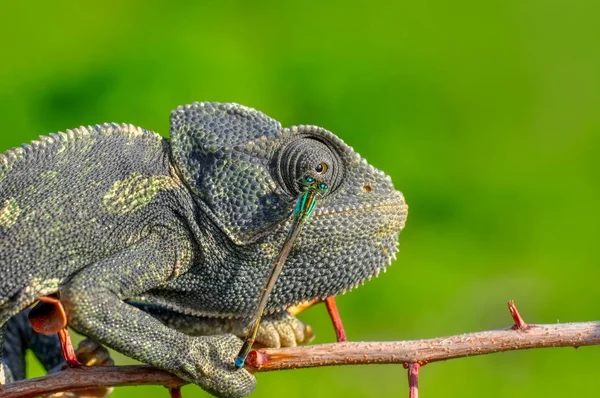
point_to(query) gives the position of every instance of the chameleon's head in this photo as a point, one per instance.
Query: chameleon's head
(248, 172)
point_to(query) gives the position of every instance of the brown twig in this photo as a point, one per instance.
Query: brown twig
(432, 350)
(400, 352)
(80, 378)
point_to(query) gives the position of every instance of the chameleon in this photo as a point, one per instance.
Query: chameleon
(159, 247)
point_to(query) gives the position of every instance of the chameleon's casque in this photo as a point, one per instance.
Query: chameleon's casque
(190, 227)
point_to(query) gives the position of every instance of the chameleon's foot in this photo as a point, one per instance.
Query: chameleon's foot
(49, 317)
(89, 353)
(208, 362)
(283, 330)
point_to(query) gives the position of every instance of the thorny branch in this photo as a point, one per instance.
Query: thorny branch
(412, 354)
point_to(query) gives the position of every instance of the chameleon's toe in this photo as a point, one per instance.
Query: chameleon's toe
(209, 362)
(283, 330)
(89, 353)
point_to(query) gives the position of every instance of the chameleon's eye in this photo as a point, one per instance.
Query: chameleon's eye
(307, 161)
(321, 168)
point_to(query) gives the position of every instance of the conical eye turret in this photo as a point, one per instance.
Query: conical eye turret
(307, 161)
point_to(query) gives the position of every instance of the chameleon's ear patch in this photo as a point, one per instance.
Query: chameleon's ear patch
(48, 316)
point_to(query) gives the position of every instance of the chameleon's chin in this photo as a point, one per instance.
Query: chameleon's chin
(333, 258)
(388, 258)
(352, 269)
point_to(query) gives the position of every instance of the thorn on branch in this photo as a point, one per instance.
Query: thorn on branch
(332, 309)
(175, 392)
(67, 348)
(413, 379)
(519, 322)
(334, 314)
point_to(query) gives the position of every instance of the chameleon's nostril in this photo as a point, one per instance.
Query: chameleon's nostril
(367, 188)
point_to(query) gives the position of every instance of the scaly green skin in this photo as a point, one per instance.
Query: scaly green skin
(188, 228)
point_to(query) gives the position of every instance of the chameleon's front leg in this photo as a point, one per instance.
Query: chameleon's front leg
(94, 303)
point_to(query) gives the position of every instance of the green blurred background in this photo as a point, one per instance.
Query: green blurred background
(484, 113)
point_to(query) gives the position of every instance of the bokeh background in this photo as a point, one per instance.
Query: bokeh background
(485, 114)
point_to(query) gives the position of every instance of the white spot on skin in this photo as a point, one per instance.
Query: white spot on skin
(2, 374)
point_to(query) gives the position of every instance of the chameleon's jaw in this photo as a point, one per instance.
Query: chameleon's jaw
(331, 258)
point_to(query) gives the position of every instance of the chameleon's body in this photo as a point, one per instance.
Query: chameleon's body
(113, 212)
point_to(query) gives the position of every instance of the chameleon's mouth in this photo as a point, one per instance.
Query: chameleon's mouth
(395, 203)
(364, 220)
